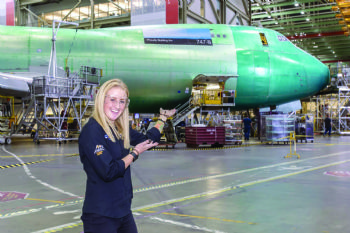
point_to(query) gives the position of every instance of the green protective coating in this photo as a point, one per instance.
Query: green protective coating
(162, 74)
(275, 73)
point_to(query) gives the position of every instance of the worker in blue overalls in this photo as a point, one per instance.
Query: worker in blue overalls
(247, 126)
(104, 149)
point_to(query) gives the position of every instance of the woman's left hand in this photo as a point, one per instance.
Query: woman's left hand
(167, 113)
(143, 146)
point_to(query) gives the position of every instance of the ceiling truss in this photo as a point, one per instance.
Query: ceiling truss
(319, 27)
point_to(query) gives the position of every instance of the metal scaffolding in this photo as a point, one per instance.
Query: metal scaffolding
(321, 106)
(58, 105)
(344, 110)
(335, 105)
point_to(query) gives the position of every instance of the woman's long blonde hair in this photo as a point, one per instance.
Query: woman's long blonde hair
(120, 126)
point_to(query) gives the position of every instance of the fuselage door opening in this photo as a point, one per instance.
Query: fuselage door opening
(210, 91)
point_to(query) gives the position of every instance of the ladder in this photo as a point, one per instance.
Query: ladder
(27, 121)
(183, 111)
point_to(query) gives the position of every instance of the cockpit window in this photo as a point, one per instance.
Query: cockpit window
(282, 38)
(263, 39)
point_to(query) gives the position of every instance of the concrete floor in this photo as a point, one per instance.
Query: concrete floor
(251, 189)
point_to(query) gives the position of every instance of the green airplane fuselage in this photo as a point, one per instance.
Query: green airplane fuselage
(262, 66)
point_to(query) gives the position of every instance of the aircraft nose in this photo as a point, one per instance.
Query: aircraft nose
(324, 75)
(318, 75)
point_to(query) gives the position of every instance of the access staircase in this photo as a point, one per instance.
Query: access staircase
(184, 111)
(27, 120)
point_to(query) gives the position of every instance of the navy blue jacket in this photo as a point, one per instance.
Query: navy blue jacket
(108, 186)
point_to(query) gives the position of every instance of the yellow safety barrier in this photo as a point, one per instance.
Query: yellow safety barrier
(292, 139)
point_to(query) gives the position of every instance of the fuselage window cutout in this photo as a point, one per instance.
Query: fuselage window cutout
(263, 39)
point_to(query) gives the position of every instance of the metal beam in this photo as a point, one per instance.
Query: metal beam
(223, 6)
(297, 19)
(308, 25)
(92, 14)
(32, 13)
(237, 10)
(197, 17)
(316, 35)
(184, 11)
(283, 4)
(290, 12)
(214, 11)
(336, 61)
(233, 18)
(71, 10)
(114, 21)
(30, 2)
(115, 4)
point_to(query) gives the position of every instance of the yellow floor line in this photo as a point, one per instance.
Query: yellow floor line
(201, 217)
(45, 155)
(43, 200)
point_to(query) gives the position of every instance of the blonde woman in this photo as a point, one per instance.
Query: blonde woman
(104, 148)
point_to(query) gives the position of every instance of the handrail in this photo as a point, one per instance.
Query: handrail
(182, 109)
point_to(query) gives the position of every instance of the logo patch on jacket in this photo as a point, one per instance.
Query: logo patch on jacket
(99, 150)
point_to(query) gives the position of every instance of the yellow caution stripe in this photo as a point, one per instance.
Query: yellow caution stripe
(22, 164)
(45, 155)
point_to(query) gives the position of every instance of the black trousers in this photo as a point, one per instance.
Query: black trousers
(94, 223)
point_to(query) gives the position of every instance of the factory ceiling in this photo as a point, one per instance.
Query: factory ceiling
(319, 27)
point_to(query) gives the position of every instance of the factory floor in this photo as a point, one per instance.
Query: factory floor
(248, 189)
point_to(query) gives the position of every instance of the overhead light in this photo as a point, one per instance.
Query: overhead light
(296, 4)
(307, 19)
(315, 46)
(269, 16)
(302, 12)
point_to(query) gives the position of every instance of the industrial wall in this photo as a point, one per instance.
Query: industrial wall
(7, 12)
(234, 12)
(2, 12)
(212, 10)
